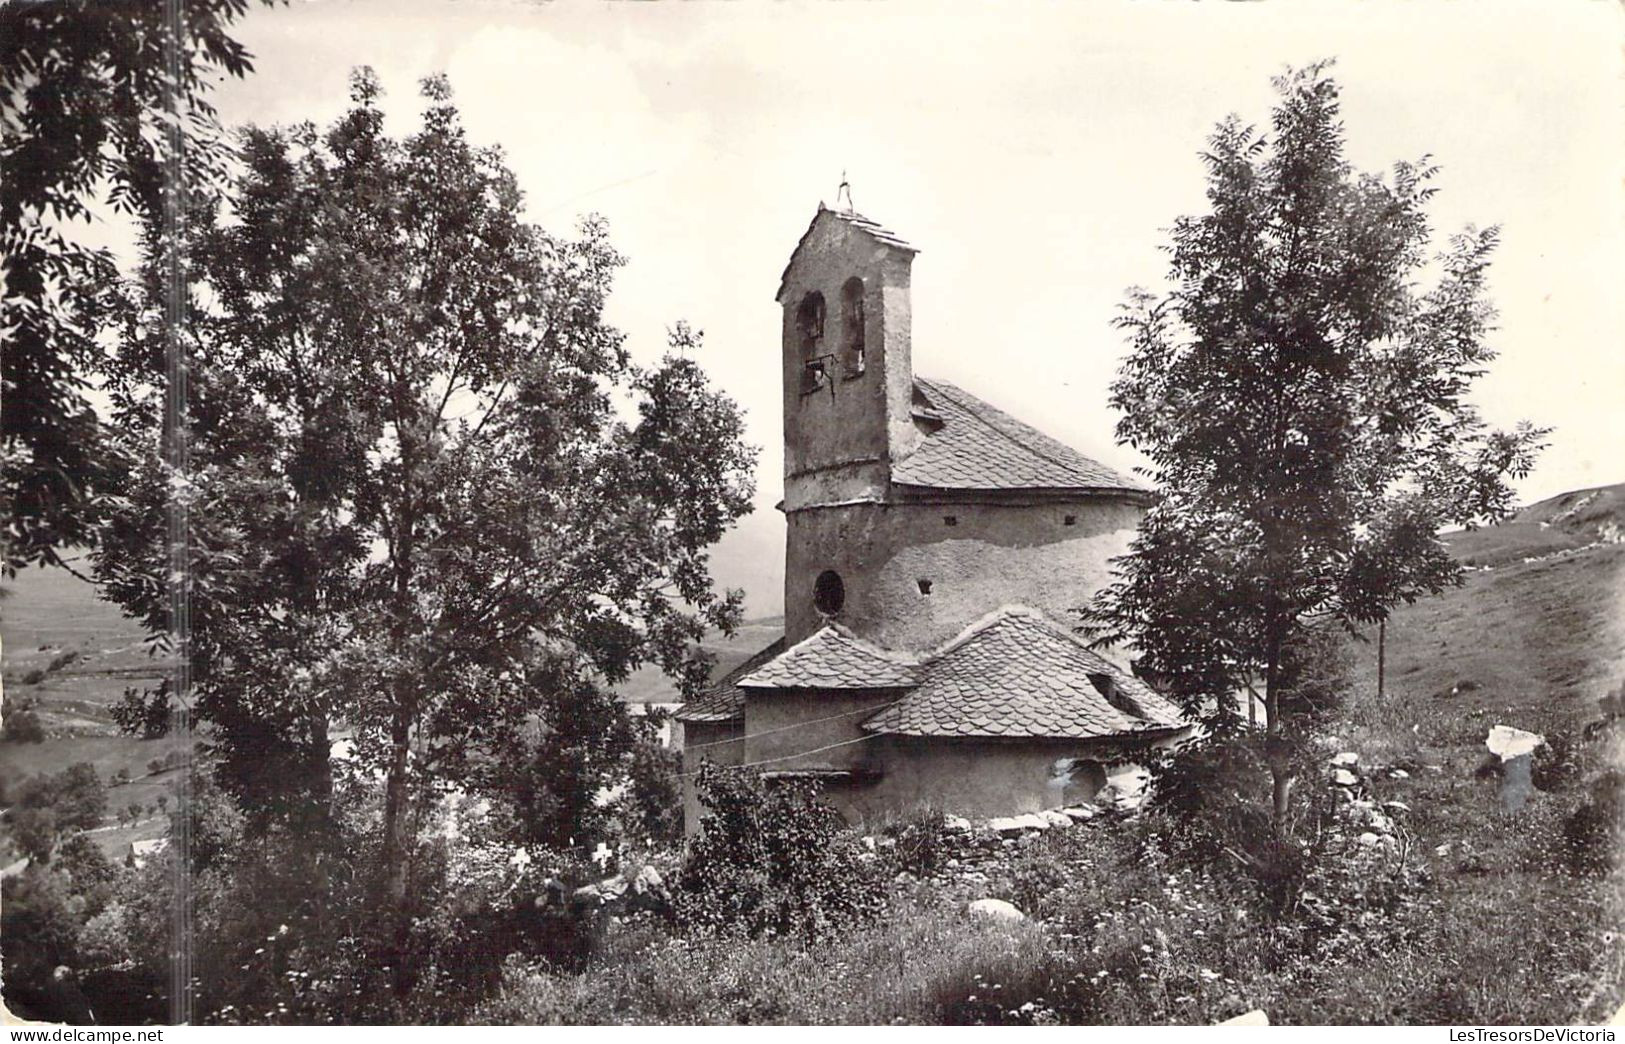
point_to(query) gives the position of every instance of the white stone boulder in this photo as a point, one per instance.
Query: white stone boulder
(1506, 742)
(996, 910)
(648, 880)
(1347, 759)
(1079, 813)
(1005, 826)
(1033, 821)
(1344, 778)
(956, 824)
(1256, 1017)
(1126, 787)
(1056, 818)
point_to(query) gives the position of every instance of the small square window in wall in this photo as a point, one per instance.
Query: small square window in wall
(925, 586)
(950, 520)
(1070, 520)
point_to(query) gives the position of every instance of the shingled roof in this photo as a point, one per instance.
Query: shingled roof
(832, 657)
(872, 228)
(972, 445)
(1014, 673)
(723, 701)
(1017, 673)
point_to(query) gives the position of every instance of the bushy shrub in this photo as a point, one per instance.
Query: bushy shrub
(1559, 763)
(1215, 796)
(653, 807)
(770, 858)
(919, 841)
(39, 930)
(555, 778)
(1594, 833)
(22, 726)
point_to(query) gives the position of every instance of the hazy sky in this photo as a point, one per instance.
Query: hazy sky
(1033, 152)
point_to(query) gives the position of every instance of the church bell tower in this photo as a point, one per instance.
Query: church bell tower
(848, 378)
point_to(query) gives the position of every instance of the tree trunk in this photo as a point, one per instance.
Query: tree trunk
(397, 824)
(1382, 654)
(395, 818)
(1280, 793)
(1274, 745)
(395, 844)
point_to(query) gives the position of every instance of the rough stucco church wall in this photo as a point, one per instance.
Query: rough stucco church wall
(783, 721)
(975, 778)
(994, 555)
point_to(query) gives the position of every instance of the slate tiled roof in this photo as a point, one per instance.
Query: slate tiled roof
(832, 657)
(723, 701)
(858, 221)
(972, 445)
(1017, 673)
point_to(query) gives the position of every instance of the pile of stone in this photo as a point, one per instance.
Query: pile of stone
(616, 896)
(971, 851)
(1373, 825)
(1038, 822)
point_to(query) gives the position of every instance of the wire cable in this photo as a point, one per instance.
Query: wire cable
(790, 727)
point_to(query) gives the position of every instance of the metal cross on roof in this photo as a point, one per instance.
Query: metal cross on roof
(846, 187)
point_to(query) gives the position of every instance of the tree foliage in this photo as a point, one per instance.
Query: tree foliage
(1301, 391)
(431, 494)
(85, 102)
(770, 858)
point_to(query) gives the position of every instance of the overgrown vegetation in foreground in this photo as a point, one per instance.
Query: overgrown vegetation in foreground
(1126, 928)
(1191, 911)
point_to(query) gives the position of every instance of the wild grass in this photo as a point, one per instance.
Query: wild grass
(911, 968)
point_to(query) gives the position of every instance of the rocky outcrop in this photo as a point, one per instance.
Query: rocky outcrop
(996, 910)
(619, 895)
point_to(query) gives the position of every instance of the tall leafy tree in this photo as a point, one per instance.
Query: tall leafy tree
(1301, 390)
(431, 494)
(85, 97)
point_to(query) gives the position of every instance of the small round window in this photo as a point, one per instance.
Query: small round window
(829, 594)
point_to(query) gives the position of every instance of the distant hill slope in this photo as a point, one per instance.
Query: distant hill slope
(1537, 636)
(648, 685)
(1562, 523)
(68, 656)
(1533, 638)
(69, 653)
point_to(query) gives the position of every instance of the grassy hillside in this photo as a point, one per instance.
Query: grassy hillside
(51, 617)
(1533, 641)
(68, 656)
(1535, 635)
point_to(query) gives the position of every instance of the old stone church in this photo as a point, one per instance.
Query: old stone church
(935, 546)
